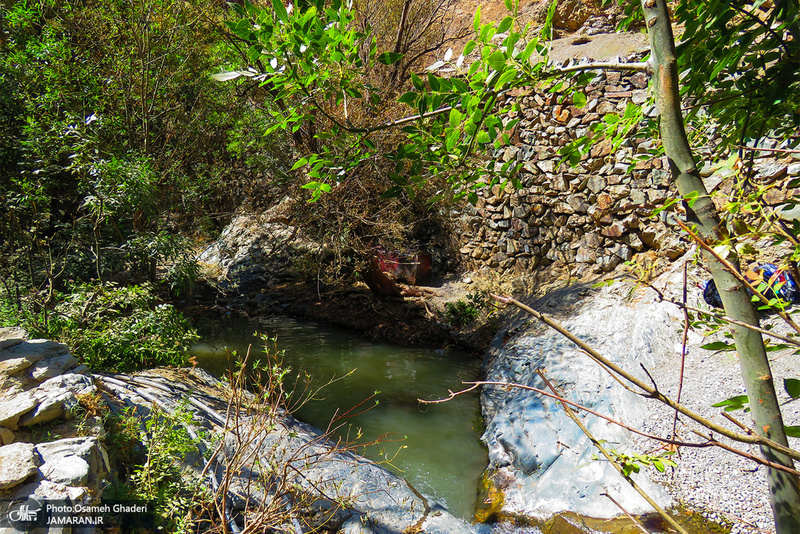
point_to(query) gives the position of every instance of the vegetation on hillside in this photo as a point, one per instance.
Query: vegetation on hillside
(119, 151)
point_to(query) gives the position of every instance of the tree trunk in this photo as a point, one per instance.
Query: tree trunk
(784, 488)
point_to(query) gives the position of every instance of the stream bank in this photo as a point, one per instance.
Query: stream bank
(257, 463)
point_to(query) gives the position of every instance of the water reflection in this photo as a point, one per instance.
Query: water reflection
(435, 447)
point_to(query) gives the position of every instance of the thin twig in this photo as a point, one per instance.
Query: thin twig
(727, 319)
(668, 441)
(757, 149)
(684, 340)
(624, 511)
(747, 455)
(644, 387)
(575, 405)
(613, 462)
(641, 66)
(736, 422)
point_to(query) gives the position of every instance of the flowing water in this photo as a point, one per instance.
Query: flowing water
(436, 447)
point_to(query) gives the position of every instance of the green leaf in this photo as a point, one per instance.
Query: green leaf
(719, 346)
(299, 163)
(506, 77)
(579, 100)
(280, 10)
(408, 98)
(451, 139)
(691, 198)
(392, 192)
(497, 60)
(469, 47)
(455, 117)
(317, 185)
(734, 403)
(505, 24)
(792, 387)
(353, 92)
(666, 205)
(792, 431)
(476, 23)
(483, 137)
(418, 85)
(529, 49)
(389, 58)
(433, 82)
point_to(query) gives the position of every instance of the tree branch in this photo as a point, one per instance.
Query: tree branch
(652, 393)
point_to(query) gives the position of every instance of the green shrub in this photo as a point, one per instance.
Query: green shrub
(109, 328)
(460, 313)
(463, 312)
(163, 478)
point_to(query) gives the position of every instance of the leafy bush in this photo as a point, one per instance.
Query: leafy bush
(163, 479)
(460, 313)
(463, 312)
(108, 327)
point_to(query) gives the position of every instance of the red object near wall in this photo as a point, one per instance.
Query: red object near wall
(388, 267)
(413, 269)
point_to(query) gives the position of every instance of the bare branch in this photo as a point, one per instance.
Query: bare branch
(636, 67)
(668, 518)
(760, 440)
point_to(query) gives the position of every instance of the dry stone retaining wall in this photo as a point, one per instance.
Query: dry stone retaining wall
(584, 219)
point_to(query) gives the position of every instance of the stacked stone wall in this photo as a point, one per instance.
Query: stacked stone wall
(587, 218)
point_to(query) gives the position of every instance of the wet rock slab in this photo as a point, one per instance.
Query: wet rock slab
(539, 458)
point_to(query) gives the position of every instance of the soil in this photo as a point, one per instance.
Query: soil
(418, 318)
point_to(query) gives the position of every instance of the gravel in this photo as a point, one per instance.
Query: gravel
(720, 484)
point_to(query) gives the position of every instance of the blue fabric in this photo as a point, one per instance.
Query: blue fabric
(786, 285)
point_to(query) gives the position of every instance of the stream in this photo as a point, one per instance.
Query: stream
(435, 447)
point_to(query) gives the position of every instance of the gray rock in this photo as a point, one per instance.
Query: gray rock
(73, 461)
(14, 406)
(596, 184)
(57, 397)
(52, 367)
(18, 461)
(10, 336)
(44, 489)
(586, 255)
(70, 471)
(6, 436)
(616, 229)
(541, 460)
(22, 355)
(356, 525)
(578, 203)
